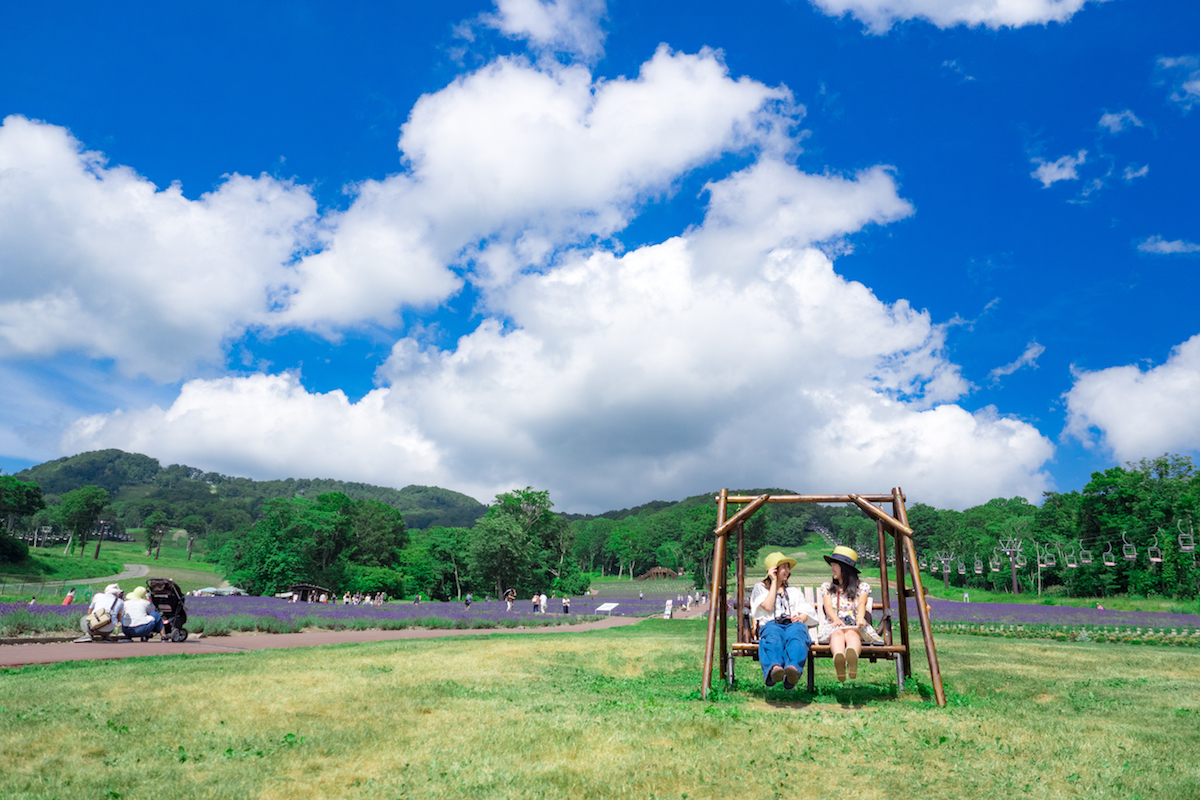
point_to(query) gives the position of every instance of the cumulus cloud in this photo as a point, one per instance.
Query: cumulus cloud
(557, 26)
(1140, 413)
(1027, 359)
(652, 372)
(1183, 75)
(97, 259)
(1159, 246)
(1064, 169)
(1115, 123)
(511, 162)
(730, 354)
(880, 15)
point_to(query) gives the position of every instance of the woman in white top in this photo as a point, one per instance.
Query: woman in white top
(847, 600)
(783, 617)
(141, 618)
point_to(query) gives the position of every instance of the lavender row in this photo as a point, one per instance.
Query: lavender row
(1022, 614)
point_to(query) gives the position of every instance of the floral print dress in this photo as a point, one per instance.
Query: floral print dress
(847, 609)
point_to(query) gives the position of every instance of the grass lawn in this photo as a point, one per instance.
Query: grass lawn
(597, 715)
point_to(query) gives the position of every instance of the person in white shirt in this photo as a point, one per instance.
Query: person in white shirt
(141, 618)
(545, 601)
(109, 600)
(783, 617)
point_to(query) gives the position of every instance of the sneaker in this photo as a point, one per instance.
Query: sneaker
(775, 675)
(791, 676)
(839, 665)
(851, 664)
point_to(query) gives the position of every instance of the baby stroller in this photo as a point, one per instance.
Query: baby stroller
(167, 598)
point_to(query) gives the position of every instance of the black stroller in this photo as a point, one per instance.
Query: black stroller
(167, 598)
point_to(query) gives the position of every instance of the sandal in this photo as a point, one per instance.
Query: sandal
(791, 676)
(839, 665)
(852, 664)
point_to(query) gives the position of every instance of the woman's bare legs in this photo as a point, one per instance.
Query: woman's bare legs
(853, 646)
(837, 646)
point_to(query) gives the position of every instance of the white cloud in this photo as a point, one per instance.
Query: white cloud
(880, 15)
(526, 161)
(648, 373)
(98, 260)
(1120, 121)
(1140, 413)
(1027, 359)
(563, 26)
(1183, 73)
(1159, 246)
(1064, 169)
(1140, 172)
(270, 426)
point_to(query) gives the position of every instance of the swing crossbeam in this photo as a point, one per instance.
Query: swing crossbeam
(720, 653)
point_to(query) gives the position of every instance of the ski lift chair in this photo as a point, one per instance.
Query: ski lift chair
(1085, 556)
(1108, 557)
(978, 565)
(1069, 559)
(994, 562)
(1187, 543)
(962, 568)
(923, 564)
(1154, 552)
(1051, 561)
(1127, 549)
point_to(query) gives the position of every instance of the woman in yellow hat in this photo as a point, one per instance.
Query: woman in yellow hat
(847, 600)
(783, 616)
(141, 619)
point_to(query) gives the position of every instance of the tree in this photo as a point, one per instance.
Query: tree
(19, 499)
(377, 534)
(501, 553)
(156, 526)
(81, 509)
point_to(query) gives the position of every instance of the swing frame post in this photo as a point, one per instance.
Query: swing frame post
(717, 645)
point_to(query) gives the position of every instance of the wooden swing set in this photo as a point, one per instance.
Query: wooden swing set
(895, 524)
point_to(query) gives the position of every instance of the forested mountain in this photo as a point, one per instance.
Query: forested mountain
(140, 486)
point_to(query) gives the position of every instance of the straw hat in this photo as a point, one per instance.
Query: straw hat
(138, 594)
(844, 556)
(775, 559)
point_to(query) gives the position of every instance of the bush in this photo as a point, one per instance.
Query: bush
(12, 551)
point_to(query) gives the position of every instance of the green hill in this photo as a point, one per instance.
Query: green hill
(140, 486)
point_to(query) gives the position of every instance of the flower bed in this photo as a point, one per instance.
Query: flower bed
(216, 616)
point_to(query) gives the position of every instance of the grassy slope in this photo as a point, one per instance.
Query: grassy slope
(609, 714)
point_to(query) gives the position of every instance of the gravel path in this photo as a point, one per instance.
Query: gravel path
(20, 655)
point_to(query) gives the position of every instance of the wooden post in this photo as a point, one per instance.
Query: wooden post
(935, 673)
(718, 567)
(743, 635)
(902, 604)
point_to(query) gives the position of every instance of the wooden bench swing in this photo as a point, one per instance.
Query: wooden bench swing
(895, 524)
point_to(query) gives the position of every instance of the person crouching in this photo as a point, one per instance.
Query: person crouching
(783, 617)
(103, 613)
(141, 618)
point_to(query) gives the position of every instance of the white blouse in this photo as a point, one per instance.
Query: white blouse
(788, 602)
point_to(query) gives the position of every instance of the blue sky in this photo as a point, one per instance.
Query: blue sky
(622, 251)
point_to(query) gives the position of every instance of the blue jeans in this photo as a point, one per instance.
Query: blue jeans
(783, 646)
(154, 626)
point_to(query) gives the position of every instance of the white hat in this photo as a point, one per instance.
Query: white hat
(113, 589)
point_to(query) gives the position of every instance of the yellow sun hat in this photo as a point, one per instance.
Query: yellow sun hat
(777, 558)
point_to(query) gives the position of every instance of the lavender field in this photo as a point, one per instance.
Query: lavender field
(218, 615)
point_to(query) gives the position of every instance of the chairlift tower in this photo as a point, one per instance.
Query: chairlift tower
(1012, 549)
(945, 556)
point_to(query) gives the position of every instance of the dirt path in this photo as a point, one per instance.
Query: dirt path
(20, 655)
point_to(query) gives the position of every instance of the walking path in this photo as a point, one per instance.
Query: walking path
(20, 655)
(130, 571)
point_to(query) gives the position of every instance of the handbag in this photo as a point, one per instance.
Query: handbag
(99, 618)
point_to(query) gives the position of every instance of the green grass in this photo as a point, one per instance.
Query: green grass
(51, 565)
(623, 587)
(598, 715)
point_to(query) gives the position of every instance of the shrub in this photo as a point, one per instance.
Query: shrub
(12, 551)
